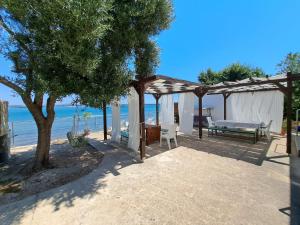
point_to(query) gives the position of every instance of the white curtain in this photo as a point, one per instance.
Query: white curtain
(116, 123)
(133, 119)
(257, 107)
(166, 115)
(186, 112)
(249, 107)
(215, 102)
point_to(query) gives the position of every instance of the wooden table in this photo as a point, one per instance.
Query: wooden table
(152, 133)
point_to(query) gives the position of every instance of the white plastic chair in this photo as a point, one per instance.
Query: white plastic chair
(266, 130)
(210, 122)
(168, 132)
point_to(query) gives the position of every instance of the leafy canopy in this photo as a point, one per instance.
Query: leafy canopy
(232, 72)
(291, 63)
(129, 42)
(84, 47)
(52, 43)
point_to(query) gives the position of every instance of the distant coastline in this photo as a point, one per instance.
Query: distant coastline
(24, 128)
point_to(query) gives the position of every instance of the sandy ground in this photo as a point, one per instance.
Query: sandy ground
(17, 180)
(209, 181)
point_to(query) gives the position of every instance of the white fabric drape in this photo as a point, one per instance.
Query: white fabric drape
(116, 122)
(215, 102)
(186, 113)
(257, 107)
(249, 107)
(166, 115)
(133, 119)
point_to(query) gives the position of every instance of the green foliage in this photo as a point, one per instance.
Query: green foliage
(52, 43)
(62, 47)
(232, 72)
(291, 63)
(87, 115)
(81, 47)
(77, 141)
(130, 39)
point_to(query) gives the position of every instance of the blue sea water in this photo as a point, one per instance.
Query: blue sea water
(24, 131)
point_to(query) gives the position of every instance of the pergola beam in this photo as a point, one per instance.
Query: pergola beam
(293, 77)
(289, 95)
(245, 91)
(171, 92)
(200, 92)
(225, 96)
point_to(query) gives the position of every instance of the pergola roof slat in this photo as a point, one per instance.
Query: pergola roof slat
(160, 84)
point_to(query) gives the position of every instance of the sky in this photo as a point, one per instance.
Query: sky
(215, 33)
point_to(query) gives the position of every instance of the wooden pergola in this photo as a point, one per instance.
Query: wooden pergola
(158, 85)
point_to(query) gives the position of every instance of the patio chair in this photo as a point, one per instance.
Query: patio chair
(210, 122)
(211, 125)
(168, 132)
(266, 130)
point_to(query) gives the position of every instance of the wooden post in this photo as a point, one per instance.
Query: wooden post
(104, 121)
(157, 96)
(225, 96)
(200, 116)
(4, 133)
(225, 104)
(200, 93)
(289, 95)
(141, 91)
(3, 118)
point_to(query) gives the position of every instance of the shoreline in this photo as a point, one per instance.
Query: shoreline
(98, 135)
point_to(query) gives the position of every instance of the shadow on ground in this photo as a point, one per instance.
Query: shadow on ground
(224, 146)
(294, 209)
(85, 187)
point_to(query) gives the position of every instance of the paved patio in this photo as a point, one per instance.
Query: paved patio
(210, 181)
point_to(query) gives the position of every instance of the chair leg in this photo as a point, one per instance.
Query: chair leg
(169, 144)
(160, 142)
(175, 139)
(268, 136)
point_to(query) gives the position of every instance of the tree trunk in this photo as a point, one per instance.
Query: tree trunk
(44, 126)
(43, 145)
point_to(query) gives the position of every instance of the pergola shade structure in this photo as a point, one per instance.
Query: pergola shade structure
(159, 85)
(166, 85)
(249, 85)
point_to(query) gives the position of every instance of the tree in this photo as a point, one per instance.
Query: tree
(129, 42)
(52, 47)
(232, 72)
(291, 63)
(82, 47)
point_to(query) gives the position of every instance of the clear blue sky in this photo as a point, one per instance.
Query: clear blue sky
(215, 33)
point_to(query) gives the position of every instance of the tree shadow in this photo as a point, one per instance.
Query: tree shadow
(224, 146)
(295, 188)
(65, 195)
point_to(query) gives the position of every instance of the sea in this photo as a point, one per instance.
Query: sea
(24, 132)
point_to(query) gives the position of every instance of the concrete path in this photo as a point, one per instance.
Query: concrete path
(182, 186)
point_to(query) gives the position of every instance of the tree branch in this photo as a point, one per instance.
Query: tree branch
(50, 107)
(14, 35)
(10, 84)
(38, 100)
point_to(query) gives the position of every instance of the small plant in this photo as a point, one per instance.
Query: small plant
(77, 141)
(86, 132)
